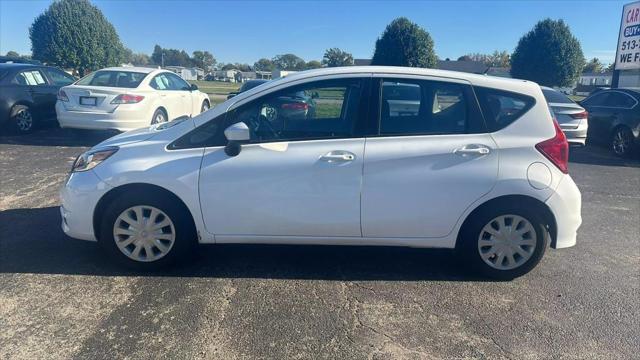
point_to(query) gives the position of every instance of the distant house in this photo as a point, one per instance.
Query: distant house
(361, 62)
(193, 73)
(226, 75)
(276, 74)
(504, 72)
(595, 79)
(474, 67)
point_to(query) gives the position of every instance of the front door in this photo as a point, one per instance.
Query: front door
(429, 162)
(301, 173)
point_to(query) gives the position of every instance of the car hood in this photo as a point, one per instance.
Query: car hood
(146, 133)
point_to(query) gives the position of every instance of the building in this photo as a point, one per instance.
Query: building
(473, 67)
(276, 74)
(226, 75)
(596, 79)
(361, 62)
(629, 78)
(193, 73)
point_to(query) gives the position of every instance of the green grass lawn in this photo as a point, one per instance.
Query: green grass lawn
(216, 87)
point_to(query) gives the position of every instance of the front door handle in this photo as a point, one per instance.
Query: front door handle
(338, 156)
(472, 150)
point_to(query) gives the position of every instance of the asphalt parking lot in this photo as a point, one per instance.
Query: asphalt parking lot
(60, 298)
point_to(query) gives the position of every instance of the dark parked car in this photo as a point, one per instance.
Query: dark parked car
(28, 95)
(247, 85)
(614, 119)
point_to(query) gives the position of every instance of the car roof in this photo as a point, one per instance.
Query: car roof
(475, 79)
(5, 66)
(145, 70)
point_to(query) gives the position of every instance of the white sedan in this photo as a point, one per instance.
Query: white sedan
(126, 98)
(457, 171)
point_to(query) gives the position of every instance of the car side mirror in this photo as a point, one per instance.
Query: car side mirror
(236, 134)
(193, 87)
(315, 95)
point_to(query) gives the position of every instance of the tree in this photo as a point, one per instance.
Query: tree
(548, 54)
(75, 34)
(172, 57)
(593, 66)
(611, 67)
(12, 54)
(288, 62)
(465, 58)
(335, 57)
(497, 59)
(263, 65)
(313, 64)
(139, 59)
(203, 59)
(404, 43)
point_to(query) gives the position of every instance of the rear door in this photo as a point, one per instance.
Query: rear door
(599, 116)
(42, 92)
(429, 161)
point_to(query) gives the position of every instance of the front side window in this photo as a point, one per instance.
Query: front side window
(501, 108)
(177, 83)
(29, 78)
(111, 78)
(421, 107)
(318, 110)
(60, 78)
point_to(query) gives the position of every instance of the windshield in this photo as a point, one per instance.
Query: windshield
(109, 78)
(553, 96)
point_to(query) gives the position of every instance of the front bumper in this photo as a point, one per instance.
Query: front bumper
(79, 198)
(566, 204)
(121, 119)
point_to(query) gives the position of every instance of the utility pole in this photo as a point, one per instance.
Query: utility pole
(162, 56)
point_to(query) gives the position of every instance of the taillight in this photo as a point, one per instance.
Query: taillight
(62, 96)
(295, 106)
(580, 115)
(127, 99)
(556, 149)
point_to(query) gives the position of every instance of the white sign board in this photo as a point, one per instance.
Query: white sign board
(628, 52)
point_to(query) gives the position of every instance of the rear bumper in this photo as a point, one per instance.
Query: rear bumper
(576, 135)
(566, 204)
(120, 119)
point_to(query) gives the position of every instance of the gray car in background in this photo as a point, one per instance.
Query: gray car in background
(571, 116)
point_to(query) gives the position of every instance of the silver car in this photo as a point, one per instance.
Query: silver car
(571, 116)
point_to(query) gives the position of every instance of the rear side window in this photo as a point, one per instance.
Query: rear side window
(424, 107)
(553, 96)
(29, 77)
(501, 108)
(109, 78)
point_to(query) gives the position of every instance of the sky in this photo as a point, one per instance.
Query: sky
(244, 31)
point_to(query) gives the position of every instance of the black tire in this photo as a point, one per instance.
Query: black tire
(22, 120)
(158, 115)
(185, 233)
(205, 106)
(473, 230)
(622, 142)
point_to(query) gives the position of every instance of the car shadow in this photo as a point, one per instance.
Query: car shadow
(32, 242)
(52, 135)
(597, 155)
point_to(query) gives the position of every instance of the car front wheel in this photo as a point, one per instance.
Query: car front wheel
(205, 106)
(504, 244)
(146, 231)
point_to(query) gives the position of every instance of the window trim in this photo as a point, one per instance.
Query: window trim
(473, 106)
(612, 107)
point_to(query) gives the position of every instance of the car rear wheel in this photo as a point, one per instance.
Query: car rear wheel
(622, 142)
(504, 243)
(22, 119)
(159, 117)
(146, 232)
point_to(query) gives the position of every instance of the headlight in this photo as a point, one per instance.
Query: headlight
(92, 158)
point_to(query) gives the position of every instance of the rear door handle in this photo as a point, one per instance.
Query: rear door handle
(472, 150)
(338, 156)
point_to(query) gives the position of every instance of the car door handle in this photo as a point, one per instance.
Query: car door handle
(338, 156)
(472, 149)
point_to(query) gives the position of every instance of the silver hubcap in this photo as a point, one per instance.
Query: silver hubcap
(507, 242)
(620, 143)
(159, 118)
(24, 120)
(205, 107)
(144, 233)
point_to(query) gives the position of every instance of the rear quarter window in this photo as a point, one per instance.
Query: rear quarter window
(501, 108)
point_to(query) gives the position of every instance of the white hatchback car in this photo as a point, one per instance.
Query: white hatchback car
(126, 98)
(449, 169)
